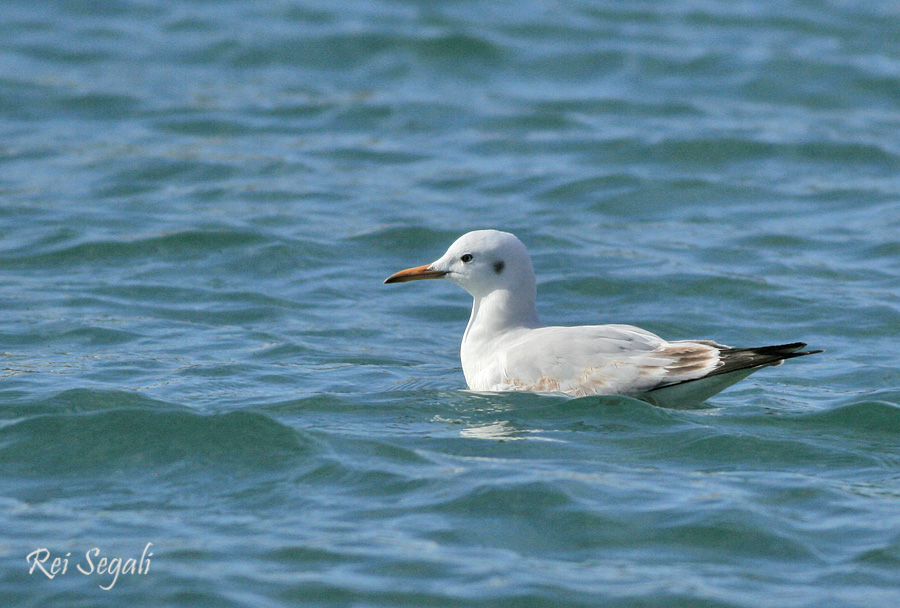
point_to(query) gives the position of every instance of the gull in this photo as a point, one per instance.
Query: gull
(506, 348)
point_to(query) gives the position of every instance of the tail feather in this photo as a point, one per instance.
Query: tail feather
(735, 364)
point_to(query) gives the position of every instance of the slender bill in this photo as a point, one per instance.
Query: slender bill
(415, 274)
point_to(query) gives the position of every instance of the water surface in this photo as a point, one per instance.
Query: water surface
(198, 204)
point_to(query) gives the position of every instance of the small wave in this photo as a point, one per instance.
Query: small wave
(150, 441)
(406, 239)
(81, 400)
(179, 245)
(869, 418)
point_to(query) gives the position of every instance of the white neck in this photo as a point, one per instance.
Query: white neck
(494, 317)
(499, 312)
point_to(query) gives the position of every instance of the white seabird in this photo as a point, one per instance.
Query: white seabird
(506, 348)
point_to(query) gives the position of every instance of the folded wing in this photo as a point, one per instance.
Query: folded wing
(622, 359)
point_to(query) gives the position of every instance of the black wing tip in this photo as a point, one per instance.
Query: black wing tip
(795, 348)
(800, 353)
(776, 350)
(811, 352)
(734, 359)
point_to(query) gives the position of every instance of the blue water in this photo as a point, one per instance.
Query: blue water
(199, 202)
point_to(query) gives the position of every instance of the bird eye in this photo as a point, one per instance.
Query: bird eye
(465, 258)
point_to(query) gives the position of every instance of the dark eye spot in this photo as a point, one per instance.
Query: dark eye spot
(465, 258)
(498, 266)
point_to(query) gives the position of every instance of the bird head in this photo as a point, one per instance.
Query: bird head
(480, 262)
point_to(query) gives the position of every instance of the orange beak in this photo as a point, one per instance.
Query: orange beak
(415, 274)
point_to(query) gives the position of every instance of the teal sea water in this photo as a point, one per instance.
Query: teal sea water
(199, 202)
